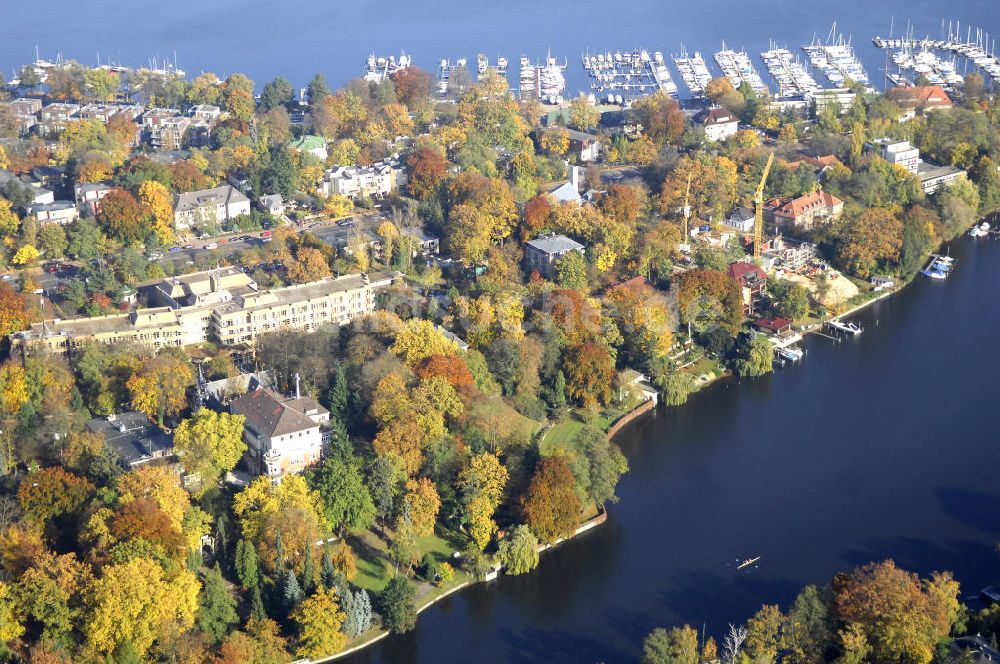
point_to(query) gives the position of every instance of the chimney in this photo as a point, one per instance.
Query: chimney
(297, 396)
(574, 176)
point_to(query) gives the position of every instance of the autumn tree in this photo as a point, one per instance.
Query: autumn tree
(450, 367)
(420, 339)
(121, 216)
(870, 241)
(551, 506)
(237, 93)
(133, 602)
(156, 202)
(158, 388)
(319, 620)
(14, 314)
(677, 645)
(422, 503)
(661, 117)
(713, 186)
(282, 519)
(583, 115)
(537, 212)
(210, 444)
(427, 169)
(51, 492)
(554, 141)
(590, 374)
(309, 265)
(481, 484)
(899, 616)
(708, 298)
(413, 86)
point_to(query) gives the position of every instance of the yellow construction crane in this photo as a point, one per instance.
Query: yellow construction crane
(687, 210)
(758, 222)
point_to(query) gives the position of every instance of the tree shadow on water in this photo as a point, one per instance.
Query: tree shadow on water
(973, 508)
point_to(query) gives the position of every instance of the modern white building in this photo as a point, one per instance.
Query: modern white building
(209, 206)
(375, 181)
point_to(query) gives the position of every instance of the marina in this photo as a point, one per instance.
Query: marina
(379, 68)
(445, 70)
(836, 59)
(627, 74)
(483, 66)
(977, 47)
(736, 66)
(792, 78)
(546, 82)
(937, 70)
(939, 267)
(694, 72)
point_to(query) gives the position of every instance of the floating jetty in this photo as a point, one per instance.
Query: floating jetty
(976, 48)
(546, 82)
(693, 72)
(627, 74)
(792, 77)
(937, 70)
(736, 66)
(836, 59)
(483, 66)
(939, 267)
(445, 69)
(378, 68)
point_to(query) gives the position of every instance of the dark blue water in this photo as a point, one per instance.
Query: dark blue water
(883, 446)
(296, 38)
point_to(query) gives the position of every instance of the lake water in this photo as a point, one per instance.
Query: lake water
(884, 445)
(296, 38)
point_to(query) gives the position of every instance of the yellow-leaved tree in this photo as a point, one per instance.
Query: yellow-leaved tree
(420, 339)
(157, 203)
(319, 621)
(210, 444)
(158, 388)
(133, 602)
(422, 504)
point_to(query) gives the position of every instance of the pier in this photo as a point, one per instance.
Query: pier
(627, 74)
(693, 72)
(792, 77)
(738, 69)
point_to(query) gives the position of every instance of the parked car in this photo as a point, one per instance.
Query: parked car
(266, 234)
(174, 250)
(212, 245)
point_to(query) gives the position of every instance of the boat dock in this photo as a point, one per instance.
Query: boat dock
(378, 68)
(693, 72)
(483, 66)
(792, 77)
(836, 59)
(976, 48)
(738, 69)
(627, 74)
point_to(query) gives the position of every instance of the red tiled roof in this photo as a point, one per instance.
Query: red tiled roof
(775, 324)
(742, 272)
(804, 204)
(928, 96)
(714, 116)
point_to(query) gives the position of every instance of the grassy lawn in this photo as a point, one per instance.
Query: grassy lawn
(561, 435)
(375, 569)
(495, 411)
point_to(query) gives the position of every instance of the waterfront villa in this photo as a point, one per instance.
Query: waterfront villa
(914, 101)
(354, 182)
(805, 211)
(751, 280)
(719, 123)
(282, 433)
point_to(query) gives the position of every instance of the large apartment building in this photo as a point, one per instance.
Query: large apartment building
(209, 206)
(375, 181)
(223, 306)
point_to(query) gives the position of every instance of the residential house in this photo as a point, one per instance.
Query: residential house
(54, 118)
(24, 112)
(586, 147)
(57, 212)
(742, 219)
(206, 112)
(424, 243)
(568, 192)
(103, 112)
(375, 181)
(272, 204)
(619, 123)
(210, 206)
(282, 433)
(751, 280)
(804, 211)
(542, 252)
(934, 177)
(719, 123)
(841, 98)
(777, 326)
(170, 133)
(134, 438)
(39, 195)
(919, 100)
(314, 145)
(819, 164)
(87, 194)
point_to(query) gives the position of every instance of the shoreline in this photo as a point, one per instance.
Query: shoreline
(616, 427)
